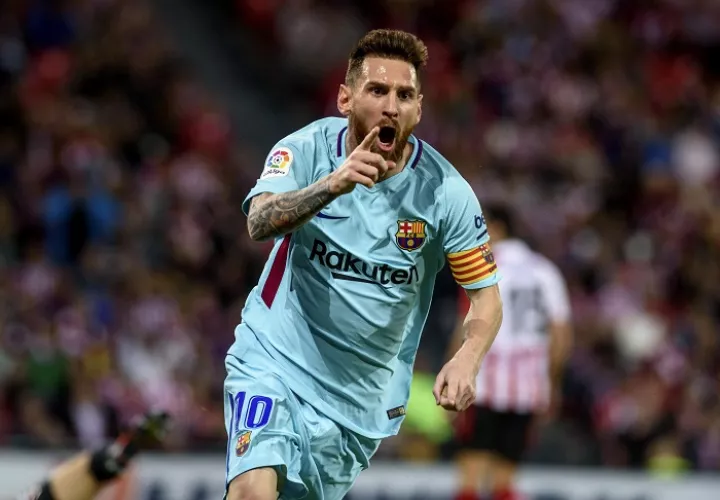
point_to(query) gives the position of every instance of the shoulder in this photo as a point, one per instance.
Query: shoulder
(546, 269)
(553, 286)
(319, 135)
(437, 171)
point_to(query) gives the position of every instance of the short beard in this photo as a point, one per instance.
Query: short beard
(359, 131)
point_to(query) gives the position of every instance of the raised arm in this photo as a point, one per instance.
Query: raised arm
(273, 215)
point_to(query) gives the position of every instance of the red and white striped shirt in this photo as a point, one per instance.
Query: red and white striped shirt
(514, 375)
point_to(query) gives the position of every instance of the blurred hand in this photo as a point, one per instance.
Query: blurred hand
(454, 387)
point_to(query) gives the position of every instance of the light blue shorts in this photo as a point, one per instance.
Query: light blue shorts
(269, 426)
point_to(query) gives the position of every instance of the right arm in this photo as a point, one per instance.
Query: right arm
(561, 342)
(273, 215)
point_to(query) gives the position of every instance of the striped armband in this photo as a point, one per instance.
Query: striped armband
(472, 266)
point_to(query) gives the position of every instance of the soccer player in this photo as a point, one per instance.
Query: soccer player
(520, 376)
(363, 215)
(84, 475)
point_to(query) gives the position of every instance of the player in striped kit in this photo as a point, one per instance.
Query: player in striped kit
(521, 374)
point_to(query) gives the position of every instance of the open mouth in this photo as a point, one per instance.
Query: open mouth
(386, 138)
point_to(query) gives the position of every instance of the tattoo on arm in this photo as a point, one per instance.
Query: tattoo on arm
(272, 215)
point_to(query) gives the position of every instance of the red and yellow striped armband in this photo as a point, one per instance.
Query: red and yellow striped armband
(474, 265)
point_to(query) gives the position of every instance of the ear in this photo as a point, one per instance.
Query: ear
(344, 100)
(419, 104)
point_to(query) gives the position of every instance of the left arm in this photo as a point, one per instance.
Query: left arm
(559, 328)
(455, 386)
(467, 248)
(481, 324)
(561, 342)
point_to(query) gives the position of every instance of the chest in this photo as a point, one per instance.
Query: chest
(394, 228)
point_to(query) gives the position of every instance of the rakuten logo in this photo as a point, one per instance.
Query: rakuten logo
(346, 266)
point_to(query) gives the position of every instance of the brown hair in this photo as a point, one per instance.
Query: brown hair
(390, 44)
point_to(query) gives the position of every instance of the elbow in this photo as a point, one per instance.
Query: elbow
(258, 238)
(499, 314)
(256, 232)
(259, 223)
(498, 302)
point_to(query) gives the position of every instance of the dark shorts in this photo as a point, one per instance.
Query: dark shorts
(503, 433)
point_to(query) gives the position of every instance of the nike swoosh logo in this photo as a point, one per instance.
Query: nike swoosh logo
(345, 277)
(330, 217)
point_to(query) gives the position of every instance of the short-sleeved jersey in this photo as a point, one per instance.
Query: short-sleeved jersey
(342, 301)
(514, 374)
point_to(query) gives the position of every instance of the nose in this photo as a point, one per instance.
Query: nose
(391, 107)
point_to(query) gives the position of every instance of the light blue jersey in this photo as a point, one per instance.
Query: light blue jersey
(342, 301)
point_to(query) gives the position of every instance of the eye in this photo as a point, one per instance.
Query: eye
(376, 91)
(405, 95)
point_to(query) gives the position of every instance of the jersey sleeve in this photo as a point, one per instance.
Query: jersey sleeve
(286, 168)
(555, 292)
(466, 241)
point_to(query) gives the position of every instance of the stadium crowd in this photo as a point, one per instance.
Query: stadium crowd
(125, 260)
(124, 265)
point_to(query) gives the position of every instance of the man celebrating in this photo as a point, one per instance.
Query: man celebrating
(363, 215)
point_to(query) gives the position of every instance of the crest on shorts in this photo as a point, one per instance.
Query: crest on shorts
(487, 253)
(410, 234)
(243, 443)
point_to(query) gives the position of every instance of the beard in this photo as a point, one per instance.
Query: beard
(360, 131)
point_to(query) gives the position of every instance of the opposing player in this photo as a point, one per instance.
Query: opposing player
(363, 215)
(521, 374)
(84, 475)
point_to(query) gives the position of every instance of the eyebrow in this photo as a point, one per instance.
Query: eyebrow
(406, 88)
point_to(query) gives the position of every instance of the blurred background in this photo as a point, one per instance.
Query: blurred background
(131, 131)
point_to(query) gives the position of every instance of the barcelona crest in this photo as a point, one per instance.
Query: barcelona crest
(487, 253)
(243, 443)
(410, 234)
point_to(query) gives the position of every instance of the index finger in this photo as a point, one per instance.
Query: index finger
(367, 143)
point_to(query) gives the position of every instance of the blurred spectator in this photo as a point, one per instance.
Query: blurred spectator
(116, 180)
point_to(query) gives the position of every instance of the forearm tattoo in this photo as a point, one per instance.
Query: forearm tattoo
(276, 214)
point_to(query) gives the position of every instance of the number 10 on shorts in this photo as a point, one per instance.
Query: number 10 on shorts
(253, 412)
